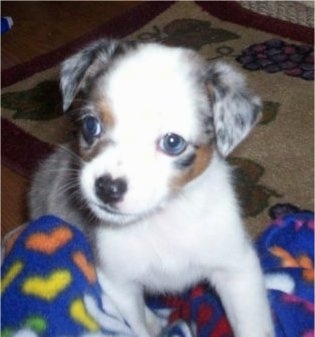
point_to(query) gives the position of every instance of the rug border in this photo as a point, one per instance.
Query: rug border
(233, 12)
(119, 27)
(225, 10)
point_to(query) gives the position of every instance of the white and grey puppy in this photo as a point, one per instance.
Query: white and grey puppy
(147, 181)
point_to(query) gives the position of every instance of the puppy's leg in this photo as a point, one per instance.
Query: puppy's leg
(154, 323)
(244, 297)
(128, 299)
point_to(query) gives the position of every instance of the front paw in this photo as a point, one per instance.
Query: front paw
(180, 328)
(257, 333)
(154, 323)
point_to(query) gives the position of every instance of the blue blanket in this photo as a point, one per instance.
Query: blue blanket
(49, 285)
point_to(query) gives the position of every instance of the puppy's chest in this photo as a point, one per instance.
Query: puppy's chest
(165, 257)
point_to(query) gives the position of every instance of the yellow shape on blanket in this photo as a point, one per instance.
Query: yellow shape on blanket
(79, 314)
(47, 288)
(12, 273)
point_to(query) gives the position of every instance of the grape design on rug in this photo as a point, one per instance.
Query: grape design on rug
(277, 55)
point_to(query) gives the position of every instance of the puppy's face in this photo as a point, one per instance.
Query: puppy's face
(150, 118)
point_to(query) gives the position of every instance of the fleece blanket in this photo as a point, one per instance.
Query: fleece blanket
(49, 285)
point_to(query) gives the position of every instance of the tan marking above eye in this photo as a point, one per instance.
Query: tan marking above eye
(203, 157)
(106, 115)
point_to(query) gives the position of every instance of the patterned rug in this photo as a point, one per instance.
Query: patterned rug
(274, 165)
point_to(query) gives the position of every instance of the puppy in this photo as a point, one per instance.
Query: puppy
(146, 179)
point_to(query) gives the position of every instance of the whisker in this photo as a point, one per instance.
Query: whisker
(62, 169)
(69, 187)
(70, 152)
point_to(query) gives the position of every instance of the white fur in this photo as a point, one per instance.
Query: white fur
(146, 106)
(197, 236)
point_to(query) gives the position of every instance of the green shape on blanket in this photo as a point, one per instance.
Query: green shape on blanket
(7, 332)
(36, 323)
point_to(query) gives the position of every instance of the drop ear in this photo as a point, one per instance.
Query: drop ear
(80, 69)
(235, 109)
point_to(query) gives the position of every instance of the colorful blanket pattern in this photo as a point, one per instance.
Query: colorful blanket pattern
(49, 286)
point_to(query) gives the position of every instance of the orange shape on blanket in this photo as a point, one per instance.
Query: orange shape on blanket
(287, 260)
(49, 243)
(308, 272)
(85, 266)
(308, 275)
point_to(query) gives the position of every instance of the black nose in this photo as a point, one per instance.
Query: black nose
(110, 190)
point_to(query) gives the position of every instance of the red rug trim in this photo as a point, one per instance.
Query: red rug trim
(118, 27)
(140, 15)
(233, 12)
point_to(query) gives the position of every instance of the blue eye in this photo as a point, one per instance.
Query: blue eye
(172, 144)
(91, 128)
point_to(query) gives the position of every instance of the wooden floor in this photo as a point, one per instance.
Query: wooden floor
(39, 27)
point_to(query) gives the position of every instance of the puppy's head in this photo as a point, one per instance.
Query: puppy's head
(149, 119)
